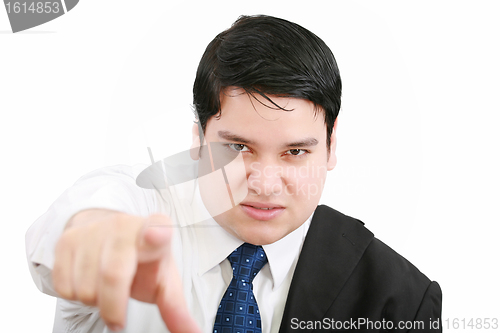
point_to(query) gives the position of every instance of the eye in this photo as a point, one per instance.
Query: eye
(237, 147)
(296, 152)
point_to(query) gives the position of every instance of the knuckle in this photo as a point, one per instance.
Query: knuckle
(114, 272)
(121, 243)
(117, 222)
(86, 295)
(64, 243)
(122, 221)
(64, 290)
(110, 276)
(123, 230)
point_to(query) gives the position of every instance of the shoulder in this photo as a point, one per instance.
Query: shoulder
(377, 262)
(344, 272)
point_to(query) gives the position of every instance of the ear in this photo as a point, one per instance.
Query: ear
(332, 159)
(195, 145)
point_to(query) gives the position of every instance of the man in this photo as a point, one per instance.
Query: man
(118, 256)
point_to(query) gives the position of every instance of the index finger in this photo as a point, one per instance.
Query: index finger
(172, 304)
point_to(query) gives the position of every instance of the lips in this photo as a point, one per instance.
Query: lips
(262, 211)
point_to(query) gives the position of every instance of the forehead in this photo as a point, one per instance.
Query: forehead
(256, 117)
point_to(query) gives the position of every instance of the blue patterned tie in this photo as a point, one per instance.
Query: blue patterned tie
(238, 311)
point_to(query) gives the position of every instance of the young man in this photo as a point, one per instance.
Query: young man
(182, 254)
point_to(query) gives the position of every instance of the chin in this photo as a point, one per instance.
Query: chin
(263, 236)
(253, 231)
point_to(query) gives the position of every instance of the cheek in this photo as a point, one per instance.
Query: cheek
(224, 188)
(214, 193)
(305, 185)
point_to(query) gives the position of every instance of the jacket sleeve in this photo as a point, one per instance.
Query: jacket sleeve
(429, 312)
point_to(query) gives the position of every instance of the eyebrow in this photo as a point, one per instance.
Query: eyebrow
(307, 142)
(226, 135)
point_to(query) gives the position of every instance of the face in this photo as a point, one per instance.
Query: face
(285, 160)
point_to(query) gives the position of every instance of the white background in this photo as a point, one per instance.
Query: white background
(418, 140)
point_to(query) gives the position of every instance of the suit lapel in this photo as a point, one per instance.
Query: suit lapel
(332, 248)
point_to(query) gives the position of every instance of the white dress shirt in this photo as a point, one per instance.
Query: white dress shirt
(200, 247)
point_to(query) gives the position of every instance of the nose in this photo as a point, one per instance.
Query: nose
(265, 178)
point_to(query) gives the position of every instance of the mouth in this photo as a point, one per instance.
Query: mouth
(262, 211)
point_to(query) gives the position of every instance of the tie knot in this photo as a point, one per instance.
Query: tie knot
(247, 260)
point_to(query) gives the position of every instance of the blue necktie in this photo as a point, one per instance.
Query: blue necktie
(238, 311)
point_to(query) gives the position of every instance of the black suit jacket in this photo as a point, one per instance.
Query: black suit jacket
(345, 279)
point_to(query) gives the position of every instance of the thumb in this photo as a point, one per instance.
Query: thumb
(154, 238)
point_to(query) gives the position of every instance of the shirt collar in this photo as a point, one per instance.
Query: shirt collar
(282, 254)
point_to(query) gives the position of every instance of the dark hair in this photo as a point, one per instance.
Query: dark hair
(268, 56)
